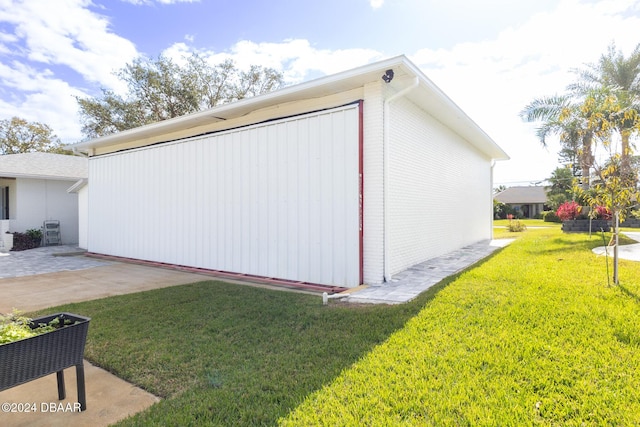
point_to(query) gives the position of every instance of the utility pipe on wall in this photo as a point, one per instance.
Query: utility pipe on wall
(385, 173)
(493, 163)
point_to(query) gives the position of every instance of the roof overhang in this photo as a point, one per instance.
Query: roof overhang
(79, 185)
(13, 175)
(427, 95)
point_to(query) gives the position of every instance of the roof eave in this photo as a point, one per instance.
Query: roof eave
(449, 113)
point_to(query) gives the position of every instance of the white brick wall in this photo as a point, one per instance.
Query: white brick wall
(439, 189)
(373, 250)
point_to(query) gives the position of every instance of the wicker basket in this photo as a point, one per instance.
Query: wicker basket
(32, 358)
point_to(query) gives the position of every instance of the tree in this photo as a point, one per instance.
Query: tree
(604, 102)
(615, 183)
(561, 116)
(620, 78)
(611, 70)
(20, 136)
(611, 190)
(572, 116)
(159, 89)
(561, 188)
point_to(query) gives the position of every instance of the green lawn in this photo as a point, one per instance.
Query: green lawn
(527, 222)
(500, 230)
(532, 336)
(224, 354)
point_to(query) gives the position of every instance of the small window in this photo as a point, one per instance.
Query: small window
(4, 202)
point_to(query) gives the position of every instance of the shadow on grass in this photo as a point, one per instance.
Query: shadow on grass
(575, 241)
(629, 292)
(227, 354)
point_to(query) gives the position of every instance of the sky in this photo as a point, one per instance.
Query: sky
(490, 57)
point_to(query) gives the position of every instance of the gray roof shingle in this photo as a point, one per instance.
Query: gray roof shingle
(531, 194)
(44, 166)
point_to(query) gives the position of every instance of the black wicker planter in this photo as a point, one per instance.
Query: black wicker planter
(582, 225)
(35, 357)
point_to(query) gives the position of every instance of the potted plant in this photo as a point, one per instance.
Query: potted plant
(31, 349)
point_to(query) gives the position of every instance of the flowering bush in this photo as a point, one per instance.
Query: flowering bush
(602, 212)
(568, 210)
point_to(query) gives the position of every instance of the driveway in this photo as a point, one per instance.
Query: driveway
(41, 278)
(38, 279)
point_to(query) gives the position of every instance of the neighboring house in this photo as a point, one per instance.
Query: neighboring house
(528, 201)
(33, 188)
(343, 180)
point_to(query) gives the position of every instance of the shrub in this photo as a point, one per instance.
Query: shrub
(27, 240)
(568, 211)
(602, 212)
(34, 234)
(516, 226)
(550, 216)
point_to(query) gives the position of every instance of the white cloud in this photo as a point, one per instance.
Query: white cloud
(150, 2)
(296, 58)
(493, 80)
(44, 99)
(47, 45)
(68, 34)
(376, 4)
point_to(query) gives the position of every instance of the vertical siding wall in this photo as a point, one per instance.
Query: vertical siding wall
(279, 199)
(440, 189)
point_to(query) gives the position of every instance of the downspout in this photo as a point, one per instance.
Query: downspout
(493, 163)
(385, 172)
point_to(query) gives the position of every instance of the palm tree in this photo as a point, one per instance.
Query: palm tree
(611, 70)
(619, 77)
(561, 116)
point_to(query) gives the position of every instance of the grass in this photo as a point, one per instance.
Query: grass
(532, 336)
(527, 222)
(501, 231)
(224, 354)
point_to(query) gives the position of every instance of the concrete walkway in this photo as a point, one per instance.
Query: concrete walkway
(628, 252)
(410, 283)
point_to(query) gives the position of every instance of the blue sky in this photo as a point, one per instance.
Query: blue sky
(490, 57)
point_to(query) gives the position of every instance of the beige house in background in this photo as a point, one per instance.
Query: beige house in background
(529, 201)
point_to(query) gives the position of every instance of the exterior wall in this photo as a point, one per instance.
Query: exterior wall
(38, 200)
(373, 184)
(279, 199)
(440, 188)
(83, 217)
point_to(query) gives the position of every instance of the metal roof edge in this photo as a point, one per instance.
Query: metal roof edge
(453, 113)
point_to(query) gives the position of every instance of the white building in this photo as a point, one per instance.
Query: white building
(33, 188)
(343, 180)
